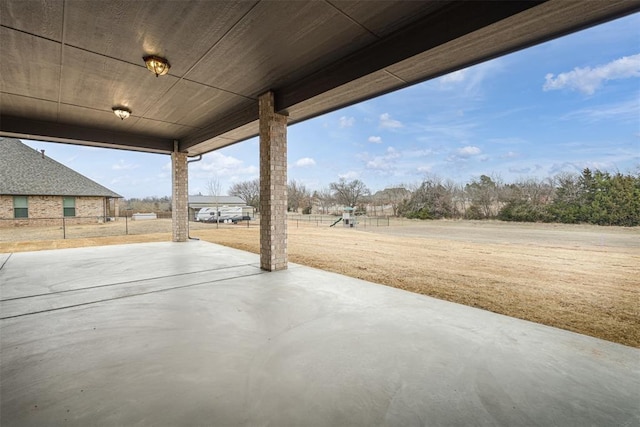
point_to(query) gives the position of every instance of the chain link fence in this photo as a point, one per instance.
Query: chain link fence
(29, 229)
(12, 230)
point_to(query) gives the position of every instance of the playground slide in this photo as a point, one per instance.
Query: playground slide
(337, 221)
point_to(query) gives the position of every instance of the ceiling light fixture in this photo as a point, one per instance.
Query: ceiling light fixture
(157, 65)
(121, 112)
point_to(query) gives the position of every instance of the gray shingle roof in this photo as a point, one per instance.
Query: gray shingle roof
(212, 200)
(24, 172)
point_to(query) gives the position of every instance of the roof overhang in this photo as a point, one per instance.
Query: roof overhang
(66, 64)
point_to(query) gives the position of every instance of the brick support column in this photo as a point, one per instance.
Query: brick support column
(273, 186)
(179, 196)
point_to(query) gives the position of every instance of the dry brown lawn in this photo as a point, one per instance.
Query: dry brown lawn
(579, 278)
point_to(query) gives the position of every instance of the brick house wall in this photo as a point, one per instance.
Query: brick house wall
(6, 207)
(89, 206)
(47, 210)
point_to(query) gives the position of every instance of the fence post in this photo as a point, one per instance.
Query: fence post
(64, 228)
(126, 225)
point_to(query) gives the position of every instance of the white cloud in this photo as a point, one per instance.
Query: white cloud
(587, 79)
(510, 155)
(392, 152)
(417, 153)
(385, 162)
(388, 123)
(445, 130)
(220, 165)
(375, 139)
(242, 174)
(521, 170)
(468, 81)
(455, 77)
(346, 122)
(305, 161)
(122, 165)
(349, 175)
(626, 111)
(378, 164)
(468, 151)
(578, 166)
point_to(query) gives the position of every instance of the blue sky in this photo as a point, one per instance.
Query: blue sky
(561, 106)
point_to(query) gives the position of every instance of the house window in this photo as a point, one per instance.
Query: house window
(69, 206)
(20, 207)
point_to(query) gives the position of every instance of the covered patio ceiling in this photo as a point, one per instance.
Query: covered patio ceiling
(66, 63)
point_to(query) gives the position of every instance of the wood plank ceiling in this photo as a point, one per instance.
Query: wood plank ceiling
(65, 63)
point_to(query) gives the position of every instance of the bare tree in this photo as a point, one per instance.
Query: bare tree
(213, 186)
(375, 200)
(349, 193)
(459, 198)
(536, 192)
(567, 186)
(324, 199)
(485, 196)
(249, 191)
(432, 200)
(298, 196)
(393, 196)
(147, 204)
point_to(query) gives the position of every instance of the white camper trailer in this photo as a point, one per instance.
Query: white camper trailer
(220, 214)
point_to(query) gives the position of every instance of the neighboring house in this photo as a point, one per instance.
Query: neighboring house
(198, 202)
(387, 201)
(35, 187)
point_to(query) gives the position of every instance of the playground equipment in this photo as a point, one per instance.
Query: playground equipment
(348, 217)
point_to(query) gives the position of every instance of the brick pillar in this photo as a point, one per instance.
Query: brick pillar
(179, 197)
(116, 207)
(273, 186)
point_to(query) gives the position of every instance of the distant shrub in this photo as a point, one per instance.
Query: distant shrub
(523, 211)
(474, 212)
(420, 214)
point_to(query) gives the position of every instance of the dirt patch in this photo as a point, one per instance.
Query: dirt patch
(583, 279)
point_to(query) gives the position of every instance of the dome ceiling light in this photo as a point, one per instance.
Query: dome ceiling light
(157, 65)
(122, 112)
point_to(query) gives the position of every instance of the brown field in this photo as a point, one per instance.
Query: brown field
(581, 278)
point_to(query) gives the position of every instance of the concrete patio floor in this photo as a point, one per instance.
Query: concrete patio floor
(196, 334)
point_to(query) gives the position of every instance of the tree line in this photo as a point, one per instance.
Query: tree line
(593, 197)
(146, 204)
(300, 199)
